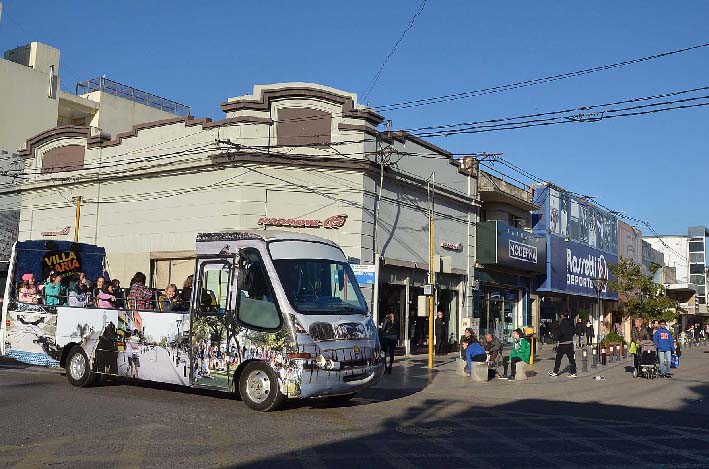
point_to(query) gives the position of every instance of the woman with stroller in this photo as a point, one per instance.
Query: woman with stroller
(640, 332)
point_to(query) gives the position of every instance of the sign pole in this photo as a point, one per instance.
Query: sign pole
(78, 217)
(431, 274)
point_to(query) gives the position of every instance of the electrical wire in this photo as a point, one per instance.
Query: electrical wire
(375, 79)
(532, 82)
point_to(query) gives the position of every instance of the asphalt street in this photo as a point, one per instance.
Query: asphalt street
(413, 418)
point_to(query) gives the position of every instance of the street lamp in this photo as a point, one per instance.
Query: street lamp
(599, 284)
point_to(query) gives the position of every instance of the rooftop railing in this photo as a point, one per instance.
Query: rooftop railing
(128, 92)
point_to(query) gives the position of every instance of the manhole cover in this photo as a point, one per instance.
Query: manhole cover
(425, 431)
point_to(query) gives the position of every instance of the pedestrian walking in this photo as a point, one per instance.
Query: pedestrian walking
(580, 331)
(390, 337)
(565, 346)
(640, 332)
(440, 334)
(590, 333)
(665, 348)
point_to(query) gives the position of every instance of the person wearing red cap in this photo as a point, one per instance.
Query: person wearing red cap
(28, 290)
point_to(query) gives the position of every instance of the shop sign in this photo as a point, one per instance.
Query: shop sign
(332, 223)
(452, 246)
(364, 273)
(574, 266)
(504, 245)
(63, 232)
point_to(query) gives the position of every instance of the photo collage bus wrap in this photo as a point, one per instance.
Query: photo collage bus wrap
(33, 329)
(270, 315)
(292, 303)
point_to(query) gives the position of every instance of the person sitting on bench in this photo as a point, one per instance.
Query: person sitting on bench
(493, 346)
(474, 352)
(520, 353)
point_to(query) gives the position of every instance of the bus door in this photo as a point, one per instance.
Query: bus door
(211, 351)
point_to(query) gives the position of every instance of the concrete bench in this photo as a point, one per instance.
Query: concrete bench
(460, 365)
(480, 369)
(520, 371)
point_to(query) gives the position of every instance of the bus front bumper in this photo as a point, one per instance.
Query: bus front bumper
(320, 383)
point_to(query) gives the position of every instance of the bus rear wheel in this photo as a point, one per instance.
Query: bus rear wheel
(78, 370)
(259, 387)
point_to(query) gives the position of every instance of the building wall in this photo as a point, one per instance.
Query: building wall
(675, 249)
(630, 243)
(26, 107)
(116, 114)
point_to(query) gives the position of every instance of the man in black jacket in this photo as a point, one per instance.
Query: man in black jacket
(580, 329)
(440, 329)
(565, 346)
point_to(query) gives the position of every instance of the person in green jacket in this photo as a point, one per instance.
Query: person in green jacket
(520, 353)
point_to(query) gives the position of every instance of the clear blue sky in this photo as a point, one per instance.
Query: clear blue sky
(201, 53)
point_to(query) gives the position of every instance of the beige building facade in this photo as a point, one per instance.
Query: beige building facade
(31, 102)
(293, 156)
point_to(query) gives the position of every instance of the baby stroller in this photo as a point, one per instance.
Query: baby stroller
(648, 365)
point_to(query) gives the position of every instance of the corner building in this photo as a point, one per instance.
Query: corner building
(293, 156)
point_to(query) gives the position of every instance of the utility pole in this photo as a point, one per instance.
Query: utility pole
(78, 218)
(431, 271)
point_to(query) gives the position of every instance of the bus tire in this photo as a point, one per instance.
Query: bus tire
(78, 371)
(259, 387)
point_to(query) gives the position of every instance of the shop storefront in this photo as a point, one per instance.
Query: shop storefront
(401, 292)
(509, 259)
(582, 242)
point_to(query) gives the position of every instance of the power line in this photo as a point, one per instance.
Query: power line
(526, 83)
(520, 122)
(372, 83)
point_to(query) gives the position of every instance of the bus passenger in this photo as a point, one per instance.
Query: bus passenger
(169, 300)
(140, 296)
(77, 292)
(29, 292)
(97, 289)
(106, 299)
(186, 293)
(118, 293)
(53, 290)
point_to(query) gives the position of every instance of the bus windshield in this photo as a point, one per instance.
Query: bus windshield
(320, 286)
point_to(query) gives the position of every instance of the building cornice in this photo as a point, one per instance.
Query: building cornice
(262, 102)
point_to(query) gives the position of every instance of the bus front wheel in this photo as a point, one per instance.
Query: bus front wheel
(78, 370)
(259, 388)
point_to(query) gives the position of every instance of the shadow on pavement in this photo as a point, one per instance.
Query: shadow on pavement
(526, 433)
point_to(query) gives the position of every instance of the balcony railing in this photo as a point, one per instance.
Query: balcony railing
(489, 183)
(132, 94)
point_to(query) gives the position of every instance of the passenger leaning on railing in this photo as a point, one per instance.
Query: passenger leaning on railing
(97, 289)
(118, 293)
(169, 300)
(53, 290)
(29, 291)
(78, 292)
(106, 299)
(140, 296)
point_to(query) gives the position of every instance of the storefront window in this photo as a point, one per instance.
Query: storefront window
(497, 310)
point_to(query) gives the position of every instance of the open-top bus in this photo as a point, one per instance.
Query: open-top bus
(270, 315)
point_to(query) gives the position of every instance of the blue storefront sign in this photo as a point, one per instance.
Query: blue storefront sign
(364, 273)
(572, 267)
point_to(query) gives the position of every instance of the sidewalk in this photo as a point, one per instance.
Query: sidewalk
(412, 375)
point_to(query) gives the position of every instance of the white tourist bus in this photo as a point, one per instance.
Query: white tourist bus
(271, 315)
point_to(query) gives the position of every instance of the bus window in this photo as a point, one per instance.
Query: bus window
(214, 288)
(257, 302)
